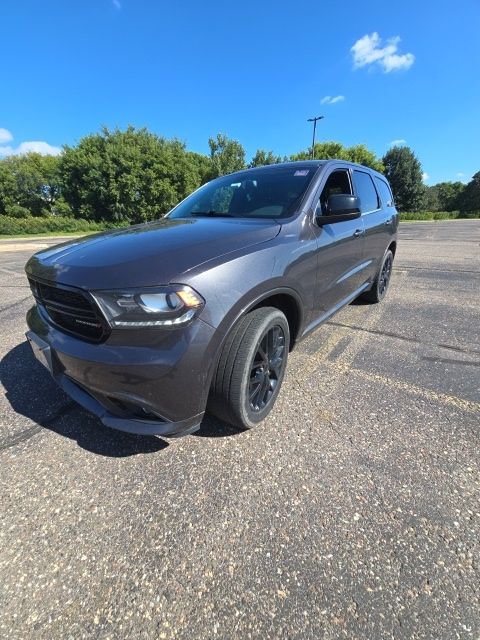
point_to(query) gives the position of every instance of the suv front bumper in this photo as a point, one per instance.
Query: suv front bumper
(158, 389)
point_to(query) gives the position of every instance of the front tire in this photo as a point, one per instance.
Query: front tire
(380, 286)
(251, 368)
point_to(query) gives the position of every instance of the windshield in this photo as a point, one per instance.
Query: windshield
(269, 193)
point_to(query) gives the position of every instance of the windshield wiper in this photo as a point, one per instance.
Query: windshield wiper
(212, 214)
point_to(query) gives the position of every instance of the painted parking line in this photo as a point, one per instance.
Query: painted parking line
(398, 336)
(401, 385)
(340, 349)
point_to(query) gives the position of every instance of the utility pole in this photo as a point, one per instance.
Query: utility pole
(314, 120)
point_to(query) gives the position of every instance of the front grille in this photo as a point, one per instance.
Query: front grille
(70, 310)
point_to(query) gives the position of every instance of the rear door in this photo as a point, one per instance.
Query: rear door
(377, 221)
(340, 248)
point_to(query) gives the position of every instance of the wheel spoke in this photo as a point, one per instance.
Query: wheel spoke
(262, 351)
(257, 378)
(257, 363)
(263, 395)
(275, 363)
(270, 342)
(255, 386)
(276, 366)
(254, 394)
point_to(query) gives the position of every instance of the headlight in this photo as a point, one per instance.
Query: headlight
(171, 306)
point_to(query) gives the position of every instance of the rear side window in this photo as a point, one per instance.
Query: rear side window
(384, 191)
(366, 191)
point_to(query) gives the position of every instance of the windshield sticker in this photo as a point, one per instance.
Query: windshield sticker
(301, 172)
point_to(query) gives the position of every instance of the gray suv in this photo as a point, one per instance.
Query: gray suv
(147, 326)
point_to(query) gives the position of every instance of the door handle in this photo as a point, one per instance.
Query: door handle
(357, 233)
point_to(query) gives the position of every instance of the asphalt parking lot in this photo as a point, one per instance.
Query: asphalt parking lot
(354, 511)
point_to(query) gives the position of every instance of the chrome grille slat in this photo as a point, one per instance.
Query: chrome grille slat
(69, 311)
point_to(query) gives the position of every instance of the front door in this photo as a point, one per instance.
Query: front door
(340, 250)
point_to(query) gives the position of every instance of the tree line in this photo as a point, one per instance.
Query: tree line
(134, 176)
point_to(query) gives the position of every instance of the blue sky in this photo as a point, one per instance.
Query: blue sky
(255, 70)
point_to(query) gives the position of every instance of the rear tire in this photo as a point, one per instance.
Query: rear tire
(251, 368)
(380, 286)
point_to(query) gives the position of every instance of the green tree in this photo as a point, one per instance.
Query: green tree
(262, 158)
(226, 155)
(201, 164)
(469, 200)
(31, 181)
(9, 193)
(336, 151)
(131, 175)
(404, 173)
(449, 195)
(360, 154)
(431, 201)
(323, 151)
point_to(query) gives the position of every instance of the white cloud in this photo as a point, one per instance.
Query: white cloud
(398, 143)
(368, 50)
(425, 176)
(117, 4)
(332, 100)
(5, 136)
(38, 146)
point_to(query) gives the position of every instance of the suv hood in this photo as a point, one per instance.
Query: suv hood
(148, 254)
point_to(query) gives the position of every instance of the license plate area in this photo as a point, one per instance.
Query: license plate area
(41, 351)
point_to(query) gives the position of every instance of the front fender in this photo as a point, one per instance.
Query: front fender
(233, 288)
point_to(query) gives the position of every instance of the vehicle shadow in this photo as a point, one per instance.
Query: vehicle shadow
(33, 393)
(212, 427)
(360, 302)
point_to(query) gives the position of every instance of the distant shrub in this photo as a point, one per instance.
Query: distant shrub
(419, 215)
(469, 214)
(62, 208)
(10, 225)
(17, 211)
(445, 215)
(438, 215)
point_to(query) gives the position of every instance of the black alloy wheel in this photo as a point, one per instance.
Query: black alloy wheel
(379, 287)
(251, 368)
(266, 368)
(385, 274)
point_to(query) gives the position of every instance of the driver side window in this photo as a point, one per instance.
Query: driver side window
(337, 182)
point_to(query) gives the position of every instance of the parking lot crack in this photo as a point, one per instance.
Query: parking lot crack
(398, 336)
(415, 268)
(15, 304)
(26, 434)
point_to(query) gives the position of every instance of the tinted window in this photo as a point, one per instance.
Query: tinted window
(337, 182)
(266, 193)
(365, 191)
(384, 191)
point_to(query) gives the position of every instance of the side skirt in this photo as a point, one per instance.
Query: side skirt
(343, 303)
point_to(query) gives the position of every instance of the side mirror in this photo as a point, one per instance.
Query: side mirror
(340, 207)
